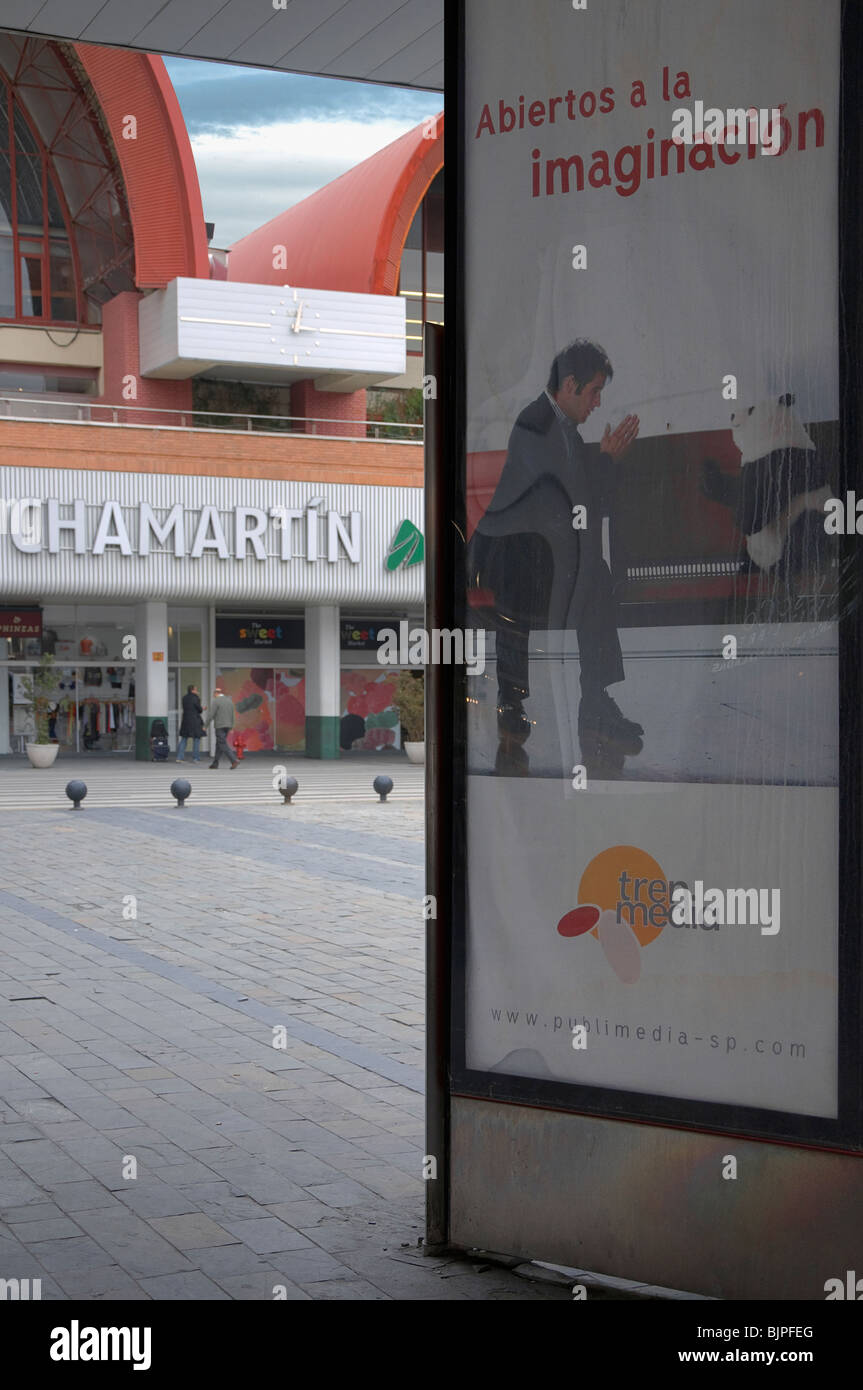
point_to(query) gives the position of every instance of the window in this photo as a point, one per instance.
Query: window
(421, 272)
(66, 243)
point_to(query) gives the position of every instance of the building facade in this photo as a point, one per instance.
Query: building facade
(190, 488)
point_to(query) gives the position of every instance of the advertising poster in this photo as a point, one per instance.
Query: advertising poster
(652, 403)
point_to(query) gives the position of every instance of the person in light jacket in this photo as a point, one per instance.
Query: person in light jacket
(221, 717)
(191, 725)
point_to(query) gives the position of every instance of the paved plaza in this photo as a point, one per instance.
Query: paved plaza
(211, 1041)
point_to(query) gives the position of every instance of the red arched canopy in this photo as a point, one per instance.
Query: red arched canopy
(349, 235)
(157, 164)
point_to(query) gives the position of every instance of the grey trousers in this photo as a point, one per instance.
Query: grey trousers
(222, 747)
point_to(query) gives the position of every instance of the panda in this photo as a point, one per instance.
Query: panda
(782, 477)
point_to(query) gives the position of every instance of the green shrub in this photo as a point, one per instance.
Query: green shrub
(40, 691)
(410, 703)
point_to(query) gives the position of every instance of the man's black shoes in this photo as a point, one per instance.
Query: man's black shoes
(599, 713)
(513, 723)
(513, 728)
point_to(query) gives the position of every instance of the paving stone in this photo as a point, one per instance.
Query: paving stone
(53, 1228)
(266, 1234)
(306, 1267)
(45, 1162)
(347, 1290)
(183, 1287)
(192, 1232)
(100, 1282)
(334, 1236)
(149, 1197)
(260, 1285)
(36, 1211)
(315, 1146)
(340, 1194)
(306, 1212)
(133, 1243)
(233, 1209)
(218, 1260)
(390, 1181)
(19, 1191)
(79, 1252)
(17, 1133)
(82, 1196)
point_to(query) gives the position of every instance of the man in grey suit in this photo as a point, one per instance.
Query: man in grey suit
(538, 552)
(221, 717)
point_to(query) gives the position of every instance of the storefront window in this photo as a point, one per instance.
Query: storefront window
(269, 707)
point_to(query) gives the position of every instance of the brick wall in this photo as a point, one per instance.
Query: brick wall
(300, 458)
(318, 406)
(121, 358)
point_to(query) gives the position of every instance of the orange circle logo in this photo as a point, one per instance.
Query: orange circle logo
(624, 900)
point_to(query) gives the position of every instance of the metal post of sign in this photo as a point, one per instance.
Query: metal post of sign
(439, 563)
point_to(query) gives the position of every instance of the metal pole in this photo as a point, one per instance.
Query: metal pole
(211, 661)
(439, 771)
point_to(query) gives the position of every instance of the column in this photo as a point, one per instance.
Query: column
(323, 686)
(151, 673)
(209, 744)
(5, 744)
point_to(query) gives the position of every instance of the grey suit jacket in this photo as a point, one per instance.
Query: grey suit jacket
(542, 572)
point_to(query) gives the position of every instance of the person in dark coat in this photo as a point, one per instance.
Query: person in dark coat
(537, 555)
(191, 725)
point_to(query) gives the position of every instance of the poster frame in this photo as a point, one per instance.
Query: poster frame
(448, 691)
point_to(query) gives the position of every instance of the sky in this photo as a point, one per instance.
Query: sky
(264, 140)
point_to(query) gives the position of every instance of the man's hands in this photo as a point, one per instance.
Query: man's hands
(616, 444)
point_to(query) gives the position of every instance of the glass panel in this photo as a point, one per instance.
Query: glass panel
(28, 170)
(414, 324)
(370, 720)
(411, 276)
(190, 644)
(290, 690)
(77, 169)
(7, 271)
(25, 141)
(31, 286)
(653, 747)
(434, 218)
(251, 689)
(185, 676)
(414, 238)
(55, 211)
(63, 299)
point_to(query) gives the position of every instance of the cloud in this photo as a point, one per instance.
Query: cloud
(252, 173)
(218, 96)
(264, 140)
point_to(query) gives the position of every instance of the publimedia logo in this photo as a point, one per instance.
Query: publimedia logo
(625, 901)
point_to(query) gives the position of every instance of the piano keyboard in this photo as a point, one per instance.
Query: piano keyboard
(694, 569)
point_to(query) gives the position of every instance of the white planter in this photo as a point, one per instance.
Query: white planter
(42, 754)
(416, 751)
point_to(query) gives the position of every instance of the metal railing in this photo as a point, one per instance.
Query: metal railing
(86, 412)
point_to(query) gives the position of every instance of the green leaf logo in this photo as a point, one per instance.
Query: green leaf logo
(408, 547)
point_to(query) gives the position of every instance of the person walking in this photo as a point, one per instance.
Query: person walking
(191, 725)
(221, 717)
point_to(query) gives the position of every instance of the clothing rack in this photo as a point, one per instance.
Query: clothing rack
(107, 718)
